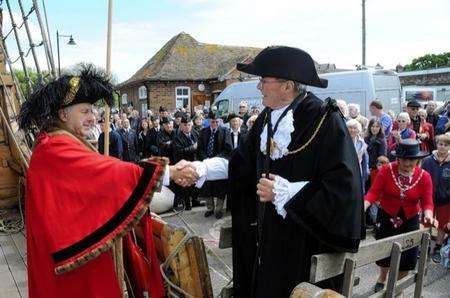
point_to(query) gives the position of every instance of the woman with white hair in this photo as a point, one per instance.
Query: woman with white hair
(354, 113)
(355, 129)
(403, 132)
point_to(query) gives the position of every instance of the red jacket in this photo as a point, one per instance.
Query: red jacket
(418, 198)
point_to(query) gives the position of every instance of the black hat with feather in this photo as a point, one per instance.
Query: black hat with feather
(41, 108)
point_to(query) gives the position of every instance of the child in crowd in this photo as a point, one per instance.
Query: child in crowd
(372, 212)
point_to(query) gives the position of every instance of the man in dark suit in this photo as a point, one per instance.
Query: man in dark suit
(115, 142)
(237, 131)
(185, 147)
(165, 139)
(214, 141)
(129, 139)
(153, 134)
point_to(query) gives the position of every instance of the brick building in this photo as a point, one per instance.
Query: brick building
(187, 72)
(184, 72)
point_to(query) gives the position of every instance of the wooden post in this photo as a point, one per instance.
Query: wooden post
(422, 265)
(349, 276)
(117, 249)
(393, 270)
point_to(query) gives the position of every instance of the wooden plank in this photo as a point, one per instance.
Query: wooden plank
(422, 265)
(225, 239)
(13, 274)
(20, 245)
(325, 266)
(349, 276)
(393, 270)
(400, 285)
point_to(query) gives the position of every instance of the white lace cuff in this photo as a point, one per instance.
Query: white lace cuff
(284, 192)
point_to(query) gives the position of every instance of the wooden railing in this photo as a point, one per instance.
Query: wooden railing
(326, 266)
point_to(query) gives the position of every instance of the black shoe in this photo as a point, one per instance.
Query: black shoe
(196, 203)
(209, 213)
(378, 287)
(219, 215)
(436, 256)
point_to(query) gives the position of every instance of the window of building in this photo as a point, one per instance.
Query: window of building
(142, 92)
(182, 97)
(124, 99)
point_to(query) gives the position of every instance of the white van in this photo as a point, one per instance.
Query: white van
(229, 99)
(360, 87)
(363, 86)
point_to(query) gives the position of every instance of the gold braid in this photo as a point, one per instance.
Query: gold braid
(74, 85)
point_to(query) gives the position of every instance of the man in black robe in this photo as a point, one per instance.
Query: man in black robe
(312, 201)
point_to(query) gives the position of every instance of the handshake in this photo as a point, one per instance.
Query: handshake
(183, 173)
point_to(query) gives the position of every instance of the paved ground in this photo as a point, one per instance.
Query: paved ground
(437, 282)
(13, 261)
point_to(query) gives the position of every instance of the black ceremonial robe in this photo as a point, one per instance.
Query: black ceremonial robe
(324, 216)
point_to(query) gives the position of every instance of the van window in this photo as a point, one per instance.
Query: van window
(222, 108)
(419, 95)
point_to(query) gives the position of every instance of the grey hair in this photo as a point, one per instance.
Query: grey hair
(299, 87)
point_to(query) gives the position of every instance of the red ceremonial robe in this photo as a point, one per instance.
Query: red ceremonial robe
(77, 203)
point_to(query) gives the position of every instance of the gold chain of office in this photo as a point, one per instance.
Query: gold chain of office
(303, 147)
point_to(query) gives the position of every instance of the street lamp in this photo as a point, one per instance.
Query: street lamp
(71, 42)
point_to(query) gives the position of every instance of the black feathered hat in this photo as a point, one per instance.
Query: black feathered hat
(88, 86)
(285, 63)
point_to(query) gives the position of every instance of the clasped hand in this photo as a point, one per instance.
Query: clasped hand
(183, 173)
(265, 188)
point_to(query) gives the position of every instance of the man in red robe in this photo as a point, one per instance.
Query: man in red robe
(78, 201)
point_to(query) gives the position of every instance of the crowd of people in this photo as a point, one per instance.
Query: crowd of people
(177, 135)
(405, 168)
(378, 141)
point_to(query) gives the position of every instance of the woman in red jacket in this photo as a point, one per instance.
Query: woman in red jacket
(404, 190)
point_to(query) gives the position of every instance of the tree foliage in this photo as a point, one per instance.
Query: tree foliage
(429, 61)
(33, 76)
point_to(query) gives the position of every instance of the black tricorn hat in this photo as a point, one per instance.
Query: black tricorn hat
(285, 63)
(409, 148)
(41, 108)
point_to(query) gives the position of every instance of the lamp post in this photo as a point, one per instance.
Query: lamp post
(71, 42)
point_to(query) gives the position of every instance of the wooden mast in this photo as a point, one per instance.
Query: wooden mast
(117, 249)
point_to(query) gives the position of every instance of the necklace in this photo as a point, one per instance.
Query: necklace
(404, 188)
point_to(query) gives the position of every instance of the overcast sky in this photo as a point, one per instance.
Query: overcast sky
(397, 31)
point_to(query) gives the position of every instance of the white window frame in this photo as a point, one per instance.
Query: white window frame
(124, 99)
(179, 99)
(142, 92)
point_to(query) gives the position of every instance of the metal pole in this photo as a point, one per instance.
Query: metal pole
(363, 32)
(59, 58)
(48, 30)
(45, 39)
(25, 71)
(30, 40)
